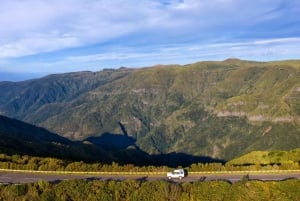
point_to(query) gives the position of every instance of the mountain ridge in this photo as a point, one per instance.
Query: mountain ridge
(219, 109)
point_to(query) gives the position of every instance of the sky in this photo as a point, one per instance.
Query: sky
(55, 36)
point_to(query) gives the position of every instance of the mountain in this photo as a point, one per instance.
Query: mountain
(217, 109)
(20, 138)
(17, 137)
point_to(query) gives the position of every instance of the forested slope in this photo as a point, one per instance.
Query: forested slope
(217, 109)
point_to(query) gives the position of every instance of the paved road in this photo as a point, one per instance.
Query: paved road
(16, 178)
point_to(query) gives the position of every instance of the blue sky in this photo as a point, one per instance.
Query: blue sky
(55, 36)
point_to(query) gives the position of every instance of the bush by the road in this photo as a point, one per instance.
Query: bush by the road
(287, 190)
(26, 162)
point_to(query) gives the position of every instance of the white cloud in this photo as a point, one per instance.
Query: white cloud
(31, 27)
(36, 44)
(22, 18)
(263, 50)
(87, 22)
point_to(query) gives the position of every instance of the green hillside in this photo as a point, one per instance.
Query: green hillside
(217, 109)
(268, 157)
(24, 145)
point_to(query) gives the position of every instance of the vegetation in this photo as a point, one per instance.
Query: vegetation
(151, 120)
(268, 157)
(215, 109)
(257, 160)
(19, 138)
(153, 190)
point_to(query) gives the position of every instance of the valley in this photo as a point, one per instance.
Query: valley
(218, 110)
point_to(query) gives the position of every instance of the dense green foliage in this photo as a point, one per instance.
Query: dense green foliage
(26, 162)
(217, 109)
(19, 138)
(279, 160)
(131, 190)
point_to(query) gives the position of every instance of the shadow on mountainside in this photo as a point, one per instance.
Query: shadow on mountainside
(182, 159)
(110, 142)
(125, 151)
(18, 137)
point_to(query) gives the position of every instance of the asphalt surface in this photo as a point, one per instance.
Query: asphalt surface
(17, 178)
